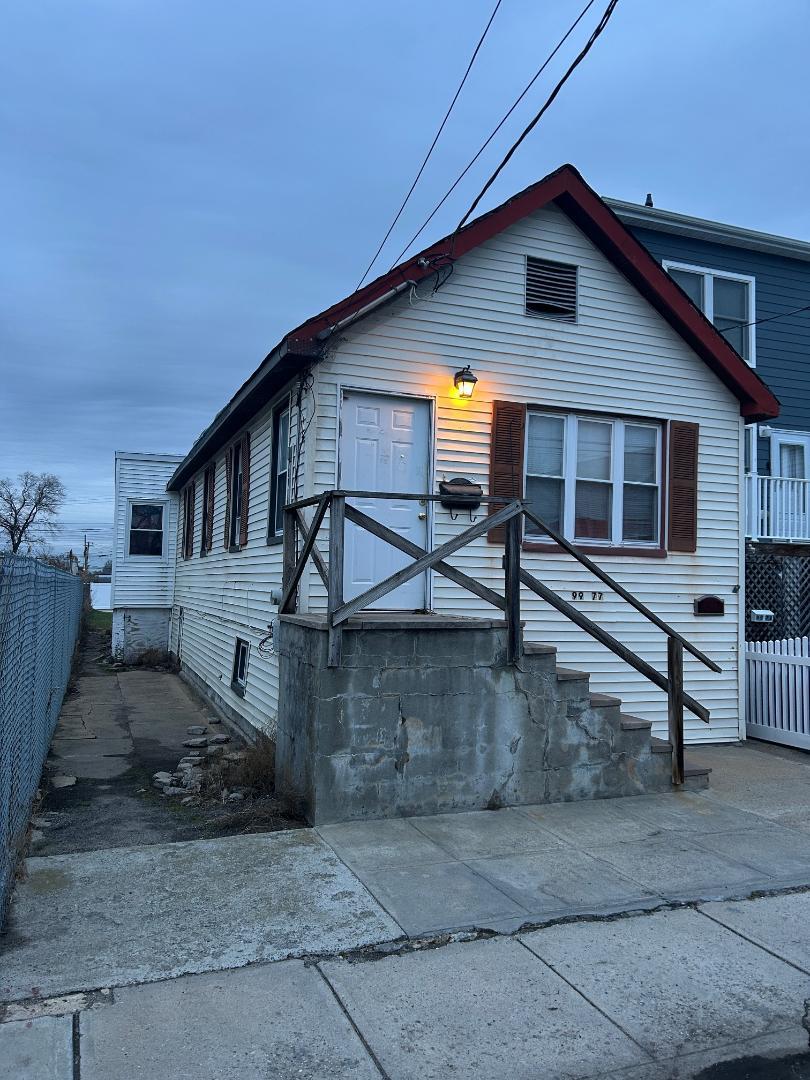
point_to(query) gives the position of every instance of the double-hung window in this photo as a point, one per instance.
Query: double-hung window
(146, 529)
(595, 480)
(727, 300)
(279, 470)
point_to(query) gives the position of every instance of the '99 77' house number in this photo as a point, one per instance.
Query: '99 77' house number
(584, 594)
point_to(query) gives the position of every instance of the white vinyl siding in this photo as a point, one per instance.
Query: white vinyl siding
(619, 358)
(227, 595)
(144, 581)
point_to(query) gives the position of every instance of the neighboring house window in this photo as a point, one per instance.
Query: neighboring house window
(279, 470)
(207, 530)
(237, 484)
(727, 300)
(595, 480)
(551, 289)
(240, 665)
(146, 529)
(188, 521)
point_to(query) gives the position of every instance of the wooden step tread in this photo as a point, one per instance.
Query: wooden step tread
(538, 648)
(604, 700)
(565, 674)
(660, 746)
(634, 723)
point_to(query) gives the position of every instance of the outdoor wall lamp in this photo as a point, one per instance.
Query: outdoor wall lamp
(465, 382)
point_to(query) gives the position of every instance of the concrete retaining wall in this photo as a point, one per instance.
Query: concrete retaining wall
(425, 720)
(136, 629)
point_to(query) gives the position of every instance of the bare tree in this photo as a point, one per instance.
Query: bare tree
(28, 509)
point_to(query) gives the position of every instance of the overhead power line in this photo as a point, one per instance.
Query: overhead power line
(547, 105)
(495, 130)
(432, 145)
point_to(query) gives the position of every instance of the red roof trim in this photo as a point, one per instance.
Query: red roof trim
(582, 204)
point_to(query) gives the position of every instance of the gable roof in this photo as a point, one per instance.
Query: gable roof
(566, 188)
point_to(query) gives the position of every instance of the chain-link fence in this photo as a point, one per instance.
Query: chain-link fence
(780, 583)
(40, 612)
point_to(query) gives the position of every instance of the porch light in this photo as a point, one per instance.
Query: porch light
(465, 382)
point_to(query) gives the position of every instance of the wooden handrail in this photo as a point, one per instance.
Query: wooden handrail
(598, 572)
(510, 513)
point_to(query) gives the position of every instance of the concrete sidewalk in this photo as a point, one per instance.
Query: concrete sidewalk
(645, 997)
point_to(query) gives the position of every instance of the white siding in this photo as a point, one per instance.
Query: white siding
(622, 358)
(143, 582)
(226, 594)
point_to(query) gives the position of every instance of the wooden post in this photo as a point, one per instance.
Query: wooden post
(337, 526)
(288, 566)
(675, 706)
(514, 636)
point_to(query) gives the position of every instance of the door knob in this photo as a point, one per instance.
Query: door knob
(422, 517)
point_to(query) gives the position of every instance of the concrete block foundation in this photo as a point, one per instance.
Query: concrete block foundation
(425, 716)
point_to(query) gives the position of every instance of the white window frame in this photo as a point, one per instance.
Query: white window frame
(782, 437)
(618, 424)
(709, 274)
(164, 530)
(283, 407)
(240, 685)
(235, 525)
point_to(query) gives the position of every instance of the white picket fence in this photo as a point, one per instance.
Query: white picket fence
(777, 700)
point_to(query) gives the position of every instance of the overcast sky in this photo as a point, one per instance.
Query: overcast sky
(181, 181)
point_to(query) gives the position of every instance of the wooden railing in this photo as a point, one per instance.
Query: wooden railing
(511, 515)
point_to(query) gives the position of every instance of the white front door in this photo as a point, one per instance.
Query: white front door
(385, 446)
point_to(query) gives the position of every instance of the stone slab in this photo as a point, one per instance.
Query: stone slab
(37, 1049)
(476, 834)
(591, 825)
(372, 845)
(686, 812)
(676, 867)
(477, 1010)
(674, 980)
(778, 923)
(768, 849)
(563, 882)
(272, 1020)
(126, 915)
(427, 898)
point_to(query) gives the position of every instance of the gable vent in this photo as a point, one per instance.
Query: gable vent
(551, 289)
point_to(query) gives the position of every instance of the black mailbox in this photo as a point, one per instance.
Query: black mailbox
(460, 494)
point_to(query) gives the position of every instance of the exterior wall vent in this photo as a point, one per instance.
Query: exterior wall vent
(551, 289)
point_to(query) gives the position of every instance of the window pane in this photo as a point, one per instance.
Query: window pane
(640, 514)
(639, 453)
(546, 440)
(791, 461)
(593, 449)
(592, 511)
(736, 334)
(283, 441)
(545, 498)
(730, 299)
(145, 543)
(147, 516)
(281, 498)
(692, 285)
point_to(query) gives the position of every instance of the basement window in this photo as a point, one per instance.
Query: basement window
(240, 665)
(551, 290)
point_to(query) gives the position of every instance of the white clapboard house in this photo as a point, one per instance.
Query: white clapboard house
(599, 393)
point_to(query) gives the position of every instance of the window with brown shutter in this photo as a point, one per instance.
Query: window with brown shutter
(506, 456)
(188, 521)
(245, 492)
(683, 483)
(207, 531)
(228, 496)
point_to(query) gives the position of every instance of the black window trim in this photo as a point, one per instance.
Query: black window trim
(237, 686)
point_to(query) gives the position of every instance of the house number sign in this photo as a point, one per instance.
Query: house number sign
(586, 594)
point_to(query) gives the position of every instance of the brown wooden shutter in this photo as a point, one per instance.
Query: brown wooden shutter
(506, 456)
(243, 527)
(228, 496)
(683, 485)
(208, 539)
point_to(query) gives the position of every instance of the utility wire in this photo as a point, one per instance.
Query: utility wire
(432, 145)
(495, 130)
(549, 101)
